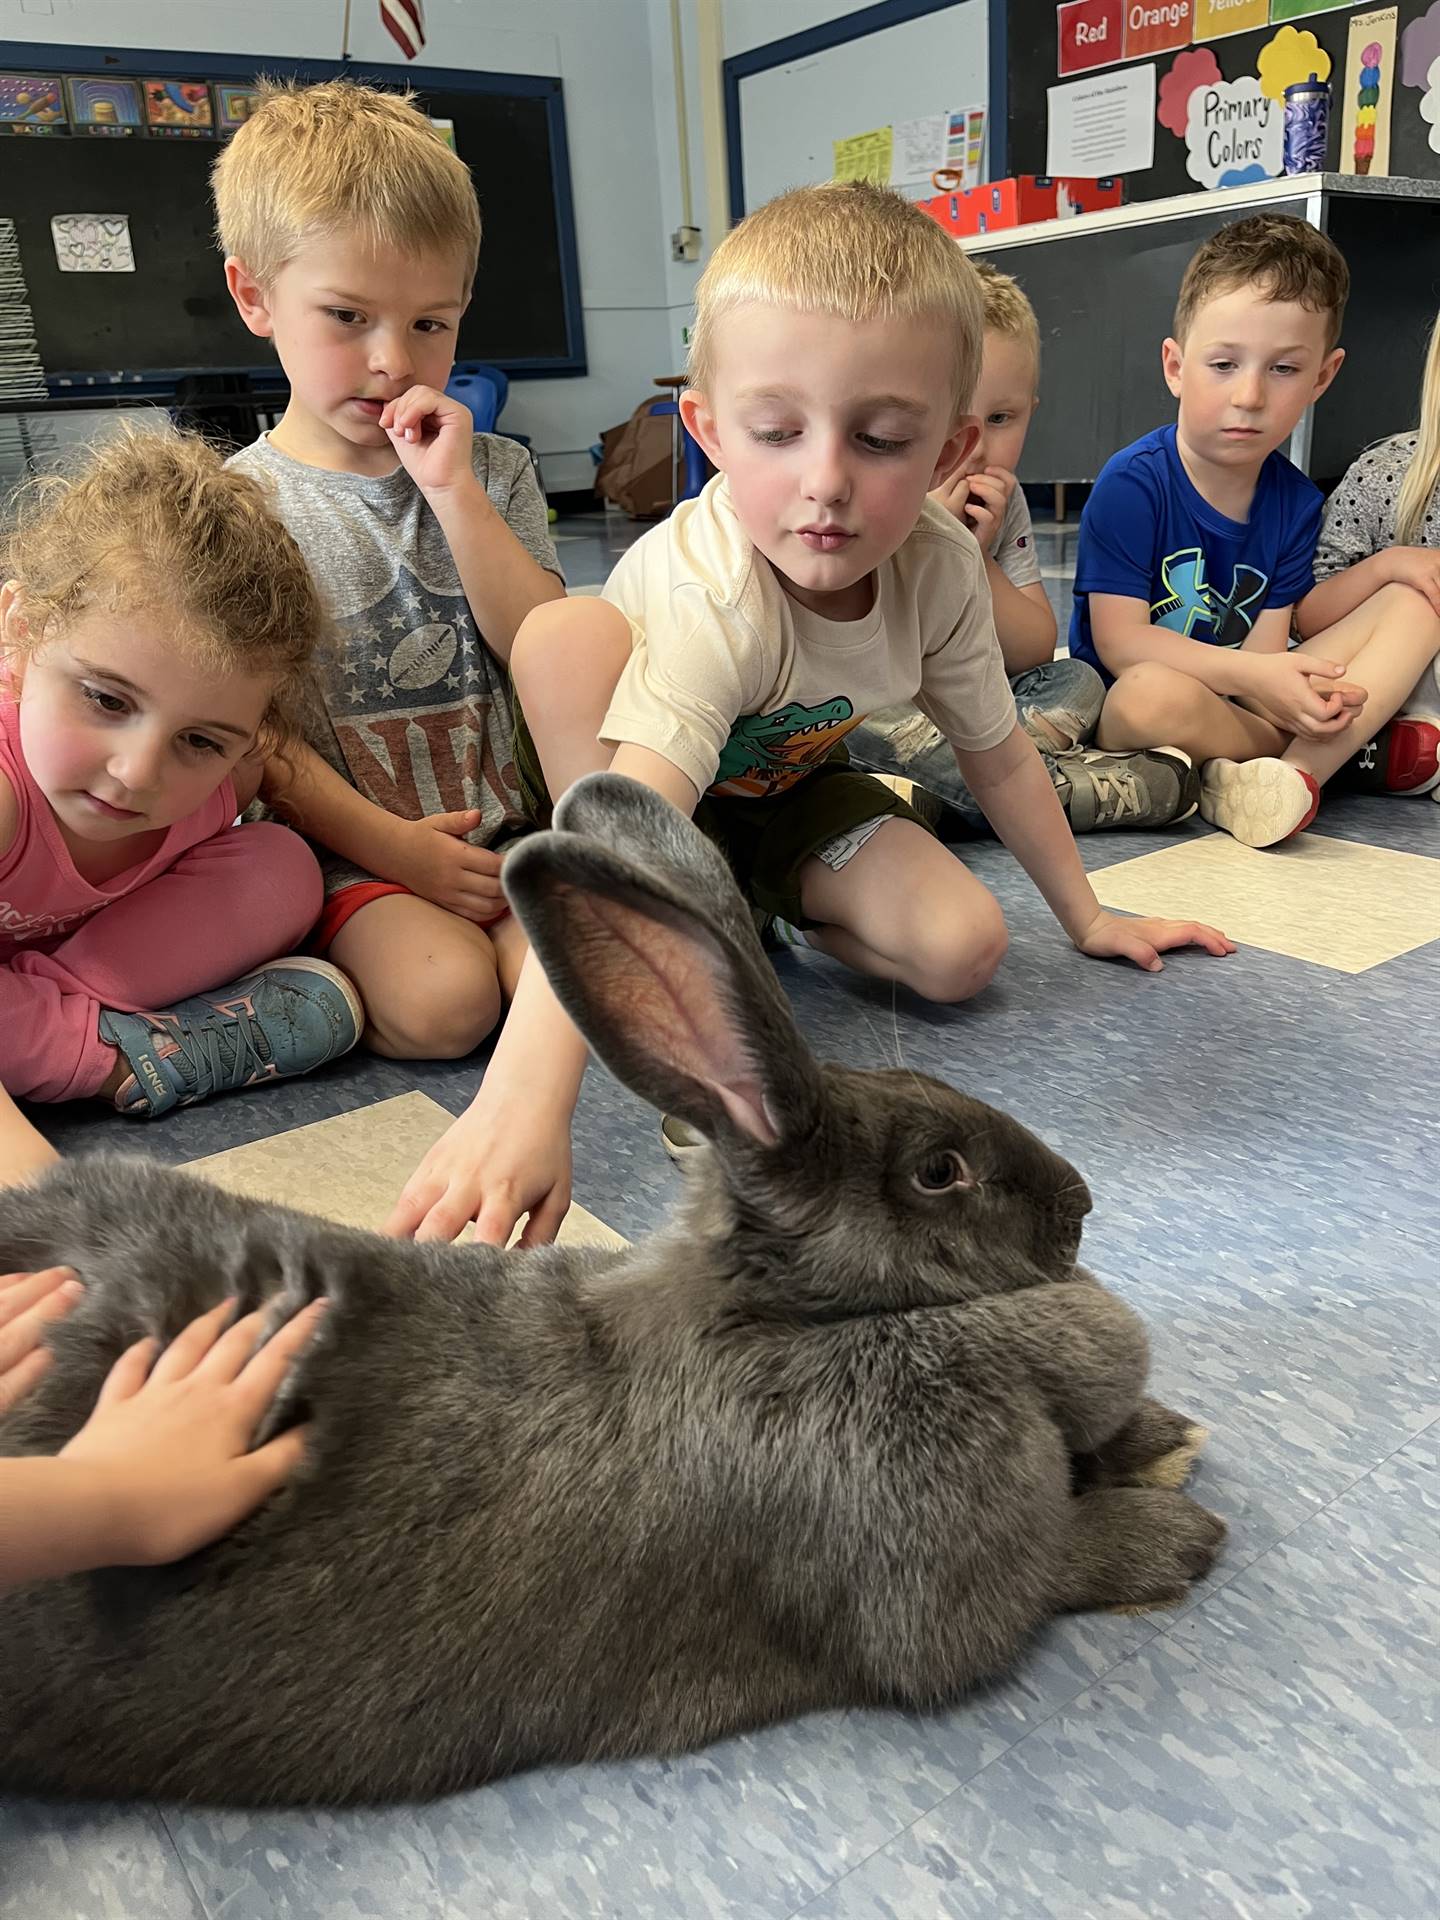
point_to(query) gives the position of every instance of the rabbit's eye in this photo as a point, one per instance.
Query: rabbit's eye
(941, 1172)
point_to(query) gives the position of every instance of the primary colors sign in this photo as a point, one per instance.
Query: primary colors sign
(1095, 33)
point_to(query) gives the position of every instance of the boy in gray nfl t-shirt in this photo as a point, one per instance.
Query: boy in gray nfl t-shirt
(351, 232)
(1058, 700)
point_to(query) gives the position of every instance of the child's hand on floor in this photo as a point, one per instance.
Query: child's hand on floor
(439, 864)
(165, 1453)
(28, 1303)
(1417, 567)
(984, 509)
(499, 1160)
(434, 437)
(1109, 936)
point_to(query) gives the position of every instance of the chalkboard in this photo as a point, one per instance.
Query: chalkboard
(173, 316)
(1034, 69)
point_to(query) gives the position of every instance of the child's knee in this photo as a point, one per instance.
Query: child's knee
(285, 881)
(960, 950)
(1151, 696)
(565, 648)
(442, 1010)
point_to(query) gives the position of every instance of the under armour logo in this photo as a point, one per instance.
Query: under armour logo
(1367, 757)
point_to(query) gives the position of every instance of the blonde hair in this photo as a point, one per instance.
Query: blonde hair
(155, 522)
(339, 158)
(1418, 487)
(1282, 257)
(1007, 310)
(850, 250)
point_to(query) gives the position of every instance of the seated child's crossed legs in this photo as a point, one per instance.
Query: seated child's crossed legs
(433, 983)
(902, 907)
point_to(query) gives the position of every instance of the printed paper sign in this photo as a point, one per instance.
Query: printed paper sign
(1215, 18)
(1369, 89)
(865, 156)
(1102, 126)
(92, 242)
(920, 147)
(1234, 133)
(1091, 34)
(1155, 26)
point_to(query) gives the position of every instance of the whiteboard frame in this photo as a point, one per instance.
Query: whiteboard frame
(856, 26)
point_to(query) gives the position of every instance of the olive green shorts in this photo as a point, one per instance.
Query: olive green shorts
(765, 842)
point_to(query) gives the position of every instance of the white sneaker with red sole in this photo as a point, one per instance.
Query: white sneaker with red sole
(1257, 802)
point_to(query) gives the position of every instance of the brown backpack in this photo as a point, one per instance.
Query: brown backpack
(637, 463)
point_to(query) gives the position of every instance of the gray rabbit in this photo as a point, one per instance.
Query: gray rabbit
(847, 1432)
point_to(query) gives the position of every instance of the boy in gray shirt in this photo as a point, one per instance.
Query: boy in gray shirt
(351, 232)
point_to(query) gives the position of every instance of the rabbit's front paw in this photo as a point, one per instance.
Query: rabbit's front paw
(1134, 1548)
(1155, 1448)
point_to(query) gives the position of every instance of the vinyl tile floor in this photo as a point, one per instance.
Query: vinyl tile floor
(1262, 1140)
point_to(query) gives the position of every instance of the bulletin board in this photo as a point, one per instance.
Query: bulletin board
(171, 315)
(786, 103)
(1284, 43)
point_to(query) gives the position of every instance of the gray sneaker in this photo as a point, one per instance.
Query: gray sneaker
(284, 1019)
(1108, 790)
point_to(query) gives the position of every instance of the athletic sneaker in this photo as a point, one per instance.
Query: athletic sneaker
(1404, 757)
(1258, 802)
(282, 1020)
(679, 1139)
(1098, 789)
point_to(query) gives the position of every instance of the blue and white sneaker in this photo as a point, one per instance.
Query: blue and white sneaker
(284, 1019)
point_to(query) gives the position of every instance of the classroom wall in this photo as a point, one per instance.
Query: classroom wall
(617, 76)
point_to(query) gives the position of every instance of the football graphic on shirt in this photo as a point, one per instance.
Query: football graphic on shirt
(423, 656)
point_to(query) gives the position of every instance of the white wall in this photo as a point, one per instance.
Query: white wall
(601, 49)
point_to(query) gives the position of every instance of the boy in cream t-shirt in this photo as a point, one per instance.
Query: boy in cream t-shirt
(837, 343)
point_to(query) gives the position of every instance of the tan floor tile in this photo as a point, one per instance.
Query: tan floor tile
(350, 1169)
(1326, 901)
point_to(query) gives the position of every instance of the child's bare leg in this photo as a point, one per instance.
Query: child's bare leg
(904, 908)
(1385, 645)
(567, 657)
(1152, 705)
(433, 983)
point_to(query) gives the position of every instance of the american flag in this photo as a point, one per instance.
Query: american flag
(405, 23)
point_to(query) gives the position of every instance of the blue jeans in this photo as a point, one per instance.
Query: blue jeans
(902, 741)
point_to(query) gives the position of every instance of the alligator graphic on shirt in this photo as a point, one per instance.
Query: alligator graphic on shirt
(767, 752)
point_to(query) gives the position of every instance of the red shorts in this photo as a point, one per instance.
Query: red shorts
(349, 900)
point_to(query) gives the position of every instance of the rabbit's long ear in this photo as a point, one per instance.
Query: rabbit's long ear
(650, 948)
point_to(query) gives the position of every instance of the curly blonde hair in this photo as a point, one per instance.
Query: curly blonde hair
(340, 158)
(155, 522)
(849, 249)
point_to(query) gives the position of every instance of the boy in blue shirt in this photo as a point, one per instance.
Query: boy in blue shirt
(1199, 539)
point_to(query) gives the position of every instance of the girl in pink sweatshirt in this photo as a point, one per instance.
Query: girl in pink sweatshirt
(156, 622)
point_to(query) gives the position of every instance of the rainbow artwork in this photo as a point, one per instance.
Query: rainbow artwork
(32, 103)
(1366, 101)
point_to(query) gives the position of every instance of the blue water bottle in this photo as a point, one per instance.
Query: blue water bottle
(1307, 125)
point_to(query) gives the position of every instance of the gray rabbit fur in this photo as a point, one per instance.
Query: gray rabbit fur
(847, 1432)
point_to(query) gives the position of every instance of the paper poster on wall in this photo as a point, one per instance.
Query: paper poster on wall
(1214, 19)
(234, 106)
(1420, 48)
(865, 156)
(1103, 125)
(1234, 133)
(1298, 9)
(179, 109)
(919, 148)
(1157, 26)
(965, 143)
(92, 242)
(105, 107)
(1430, 105)
(1369, 87)
(31, 103)
(1089, 33)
